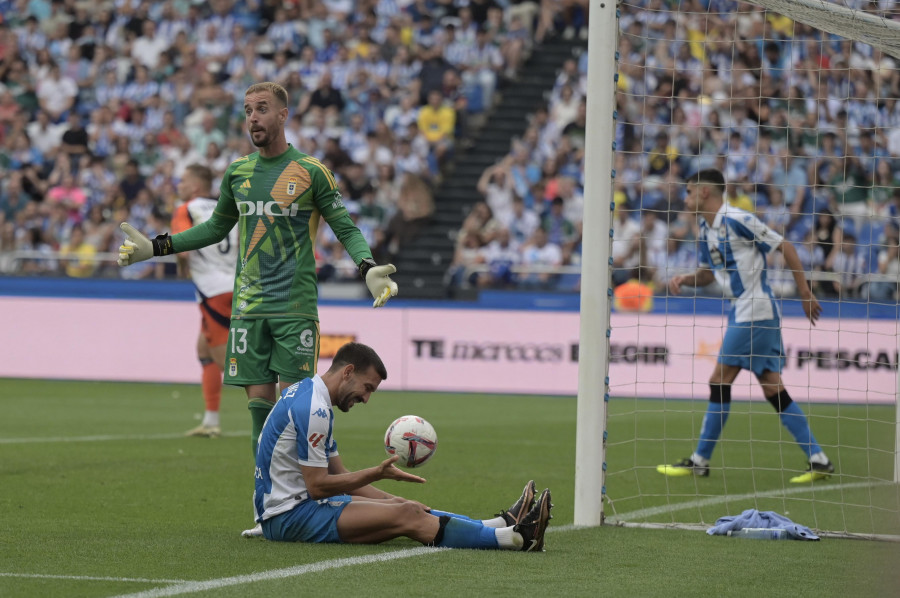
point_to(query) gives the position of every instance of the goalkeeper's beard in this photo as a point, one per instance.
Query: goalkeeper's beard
(264, 141)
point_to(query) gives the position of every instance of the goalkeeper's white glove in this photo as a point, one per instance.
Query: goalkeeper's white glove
(379, 281)
(137, 247)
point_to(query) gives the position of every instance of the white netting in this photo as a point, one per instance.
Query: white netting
(804, 126)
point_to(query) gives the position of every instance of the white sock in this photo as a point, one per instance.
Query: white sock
(821, 458)
(508, 539)
(495, 522)
(698, 460)
(211, 419)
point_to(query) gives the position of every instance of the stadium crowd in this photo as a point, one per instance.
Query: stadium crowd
(103, 106)
(803, 124)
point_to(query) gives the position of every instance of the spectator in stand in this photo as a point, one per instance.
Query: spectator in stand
(56, 93)
(544, 258)
(654, 237)
(482, 64)
(324, 99)
(776, 215)
(849, 265)
(133, 182)
(46, 136)
(626, 245)
(500, 256)
(415, 207)
(466, 255)
(524, 221)
(560, 230)
(883, 291)
(496, 187)
(81, 261)
(437, 121)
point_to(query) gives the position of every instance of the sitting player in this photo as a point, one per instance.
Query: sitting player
(305, 494)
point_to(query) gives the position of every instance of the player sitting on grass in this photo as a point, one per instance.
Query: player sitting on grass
(305, 494)
(733, 245)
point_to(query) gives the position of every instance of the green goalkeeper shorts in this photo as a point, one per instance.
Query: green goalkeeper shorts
(268, 349)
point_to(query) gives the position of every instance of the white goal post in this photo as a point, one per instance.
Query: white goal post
(596, 263)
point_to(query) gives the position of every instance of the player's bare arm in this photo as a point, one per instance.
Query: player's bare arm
(811, 306)
(700, 278)
(336, 466)
(321, 483)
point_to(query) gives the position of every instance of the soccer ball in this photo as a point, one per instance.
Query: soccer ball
(411, 437)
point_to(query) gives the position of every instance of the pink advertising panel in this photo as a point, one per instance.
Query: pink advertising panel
(454, 350)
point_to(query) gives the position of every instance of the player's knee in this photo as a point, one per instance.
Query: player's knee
(780, 400)
(410, 510)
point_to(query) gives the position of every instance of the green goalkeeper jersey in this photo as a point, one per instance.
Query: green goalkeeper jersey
(276, 203)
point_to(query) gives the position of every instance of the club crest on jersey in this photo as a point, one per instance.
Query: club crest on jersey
(292, 186)
(232, 367)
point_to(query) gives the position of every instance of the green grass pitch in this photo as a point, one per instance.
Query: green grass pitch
(100, 495)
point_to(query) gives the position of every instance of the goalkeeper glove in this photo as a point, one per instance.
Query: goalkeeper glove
(378, 280)
(137, 247)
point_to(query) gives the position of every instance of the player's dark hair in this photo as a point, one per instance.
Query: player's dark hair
(275, 89)
(204, 173)
(361, 357)
(709, 176)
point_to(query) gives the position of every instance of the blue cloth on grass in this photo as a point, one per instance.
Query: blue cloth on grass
(766, 519)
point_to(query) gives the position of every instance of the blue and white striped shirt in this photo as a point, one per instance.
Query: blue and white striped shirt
(297, 432)
(735, 249)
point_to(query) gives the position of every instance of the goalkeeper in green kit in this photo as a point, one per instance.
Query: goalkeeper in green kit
(275, 196)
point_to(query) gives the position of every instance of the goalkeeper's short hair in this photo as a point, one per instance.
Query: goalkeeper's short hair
(275, 89)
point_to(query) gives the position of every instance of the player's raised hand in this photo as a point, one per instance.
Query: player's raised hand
(812, 308)
(390, 472)
(137, 247)
(381, 286)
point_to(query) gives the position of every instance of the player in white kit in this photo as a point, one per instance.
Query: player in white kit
(211, 269)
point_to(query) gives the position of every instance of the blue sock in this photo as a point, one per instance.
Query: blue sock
(711, 429)
(437, 513)
(795, 421)
(462, 533)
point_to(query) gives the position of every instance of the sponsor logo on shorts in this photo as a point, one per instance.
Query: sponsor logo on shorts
(232, 366)
(307, 340)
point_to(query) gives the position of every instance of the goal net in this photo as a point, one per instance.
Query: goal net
(795, 102)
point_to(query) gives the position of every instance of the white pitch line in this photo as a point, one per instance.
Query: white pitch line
(90, 578)
(212, 584)
(717, 500)
(103, 438)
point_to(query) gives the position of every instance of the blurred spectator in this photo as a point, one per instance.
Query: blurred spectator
(56, 93)
(500, 255)
(776, 215)
(888, 265)
(626, 246)
(524, 221)
(415, 206)
(850, 266)
(467, 253)
(544, 256)
(654, 245)
(132, 182)
(74, 141)
(560, 230)
(78, 254)
(437, 121)
(496, 187)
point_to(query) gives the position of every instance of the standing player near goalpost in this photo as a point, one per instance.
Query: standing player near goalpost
(276, 197)
(733, 245)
